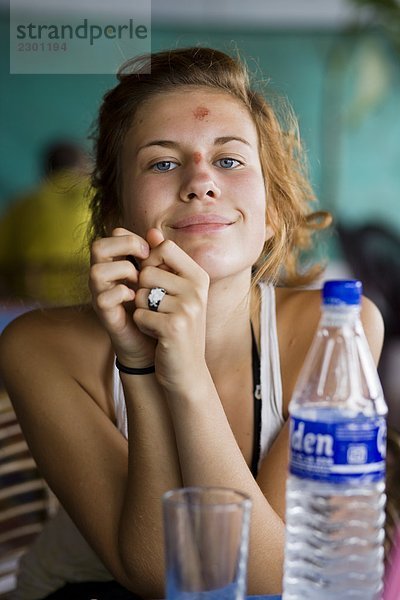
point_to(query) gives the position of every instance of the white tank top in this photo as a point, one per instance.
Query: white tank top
(60, 554)
(270, 377)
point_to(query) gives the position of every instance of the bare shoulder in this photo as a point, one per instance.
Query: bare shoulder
(298, 313)
(373, 326)
(51, 329)
(294, 298)
(301, 309)
(43, 341)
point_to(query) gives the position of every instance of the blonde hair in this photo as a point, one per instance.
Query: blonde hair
(289, 192)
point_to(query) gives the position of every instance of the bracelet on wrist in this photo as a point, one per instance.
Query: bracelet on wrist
(134, 371)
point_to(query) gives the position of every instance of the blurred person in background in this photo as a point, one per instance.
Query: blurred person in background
(43, 249)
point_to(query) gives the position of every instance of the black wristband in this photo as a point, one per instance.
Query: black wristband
(133, 371)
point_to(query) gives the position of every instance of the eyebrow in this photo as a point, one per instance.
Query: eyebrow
(219, 141)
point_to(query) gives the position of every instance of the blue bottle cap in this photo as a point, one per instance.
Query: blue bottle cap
(342, 292)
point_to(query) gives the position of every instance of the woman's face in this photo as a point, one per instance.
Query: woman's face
(191, 168)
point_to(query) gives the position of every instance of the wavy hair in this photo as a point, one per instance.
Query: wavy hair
(288, 191)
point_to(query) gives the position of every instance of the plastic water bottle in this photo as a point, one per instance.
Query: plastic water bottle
(335, 496)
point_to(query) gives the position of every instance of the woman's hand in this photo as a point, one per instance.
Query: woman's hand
(179, 325)
(113, 281)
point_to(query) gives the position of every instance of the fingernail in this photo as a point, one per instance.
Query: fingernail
(145, 249)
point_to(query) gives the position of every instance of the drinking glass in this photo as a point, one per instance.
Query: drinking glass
(206, 532)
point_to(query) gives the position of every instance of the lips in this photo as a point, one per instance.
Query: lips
(201, 219)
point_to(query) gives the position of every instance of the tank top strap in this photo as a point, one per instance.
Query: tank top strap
(119, 404)
(271, 383)
(256, 405)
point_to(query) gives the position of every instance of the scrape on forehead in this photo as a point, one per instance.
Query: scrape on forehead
(200, 112)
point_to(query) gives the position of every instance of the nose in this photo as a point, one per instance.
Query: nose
(199, 184)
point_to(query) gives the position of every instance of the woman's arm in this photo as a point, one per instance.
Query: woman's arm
(210, 455)
(153, 469)
(153, 465)
(59, 382)
(113, 494)
(207, 449)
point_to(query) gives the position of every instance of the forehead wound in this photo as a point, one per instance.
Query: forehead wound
(200, 112)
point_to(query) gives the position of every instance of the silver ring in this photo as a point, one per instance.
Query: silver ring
(154, 298)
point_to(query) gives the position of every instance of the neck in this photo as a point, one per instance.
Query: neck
(228, 318)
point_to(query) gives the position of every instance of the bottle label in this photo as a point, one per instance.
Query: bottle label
(339, 451)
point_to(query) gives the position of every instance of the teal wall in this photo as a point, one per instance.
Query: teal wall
(345, 90)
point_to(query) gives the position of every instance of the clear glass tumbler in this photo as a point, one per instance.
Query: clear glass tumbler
(206, 533)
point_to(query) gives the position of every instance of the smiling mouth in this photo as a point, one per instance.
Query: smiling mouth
(202, 222)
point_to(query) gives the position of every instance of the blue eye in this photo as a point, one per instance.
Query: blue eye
(163, 166)
(228, 163)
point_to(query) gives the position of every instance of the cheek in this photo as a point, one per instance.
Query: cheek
(256, 213)
(137, 207)
(255, 198)
(259, 236)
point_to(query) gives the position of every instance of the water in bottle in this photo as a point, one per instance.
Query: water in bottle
(335, 496)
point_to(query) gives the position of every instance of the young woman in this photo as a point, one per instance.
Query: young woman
(201, 205)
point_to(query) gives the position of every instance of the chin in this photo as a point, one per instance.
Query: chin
(220, 266)
(222, 258)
